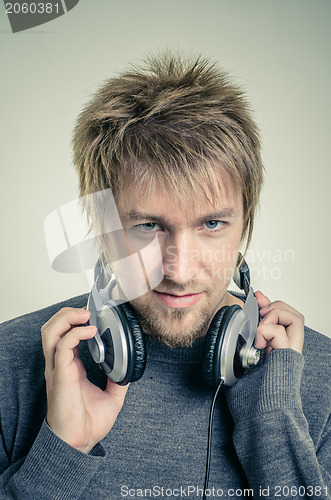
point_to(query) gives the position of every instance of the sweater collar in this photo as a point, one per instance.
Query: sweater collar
(175, 355)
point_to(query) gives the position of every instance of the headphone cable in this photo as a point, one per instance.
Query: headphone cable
(210, 425)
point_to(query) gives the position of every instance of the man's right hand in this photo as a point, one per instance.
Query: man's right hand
(78, 412)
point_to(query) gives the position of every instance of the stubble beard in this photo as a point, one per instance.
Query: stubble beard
(169, 329)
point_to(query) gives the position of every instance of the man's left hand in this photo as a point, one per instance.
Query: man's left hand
(281, 327)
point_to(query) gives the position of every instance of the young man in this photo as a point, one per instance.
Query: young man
(175, 143)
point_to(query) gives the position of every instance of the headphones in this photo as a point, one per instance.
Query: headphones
(119, 347)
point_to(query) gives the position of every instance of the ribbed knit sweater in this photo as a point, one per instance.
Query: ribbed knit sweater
(271, 432)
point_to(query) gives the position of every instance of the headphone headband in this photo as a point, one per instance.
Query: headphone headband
(241, 275)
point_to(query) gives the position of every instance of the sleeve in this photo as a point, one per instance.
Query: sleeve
(272, 436)
(52, 469)
(34, 462)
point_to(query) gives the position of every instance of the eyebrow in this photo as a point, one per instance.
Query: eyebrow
(135, 215)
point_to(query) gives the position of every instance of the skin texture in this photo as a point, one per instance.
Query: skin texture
(281, 326)
(194, 287)
(200, 247)
(77, 411)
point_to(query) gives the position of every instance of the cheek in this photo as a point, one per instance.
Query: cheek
(224, 252)
(220, 259)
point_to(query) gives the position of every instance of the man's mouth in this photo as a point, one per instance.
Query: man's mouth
(179, 300)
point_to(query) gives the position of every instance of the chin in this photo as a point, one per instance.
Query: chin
(175, 340)
(177, 330)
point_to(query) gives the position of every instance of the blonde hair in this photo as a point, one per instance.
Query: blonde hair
(174, 121)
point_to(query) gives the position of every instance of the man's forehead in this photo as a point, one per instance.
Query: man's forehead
(163, 204)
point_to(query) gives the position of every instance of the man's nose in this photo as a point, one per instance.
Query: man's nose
(181, 259)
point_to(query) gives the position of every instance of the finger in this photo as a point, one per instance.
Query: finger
(278, 304)
(114, 389)
(66, 348)
(60, 313)
(271, 337)
(267, 350)
(262, 299)
(117, 393)
(59, 325)
(293, 325)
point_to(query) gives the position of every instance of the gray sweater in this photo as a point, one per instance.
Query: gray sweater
(271, 432)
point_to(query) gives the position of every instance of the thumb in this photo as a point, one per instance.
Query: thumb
(262, 299)
(117, 393)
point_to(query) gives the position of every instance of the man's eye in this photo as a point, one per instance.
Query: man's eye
(214, 225)
(148, 227)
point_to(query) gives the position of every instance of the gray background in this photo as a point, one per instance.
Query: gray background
(278, 50)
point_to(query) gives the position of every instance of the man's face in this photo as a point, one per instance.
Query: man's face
(199, 246)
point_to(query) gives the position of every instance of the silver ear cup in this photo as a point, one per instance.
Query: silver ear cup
(238, 352)
(109, 347)
(229, 349)
(112, 334)
(234, 349)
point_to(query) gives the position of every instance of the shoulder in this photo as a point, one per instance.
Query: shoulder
(23, 332)
(42, 315)
(317, 356)
(316, 348)
(315, 383)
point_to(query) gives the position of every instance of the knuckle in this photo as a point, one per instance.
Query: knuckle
(45, 340)
(66, 309)
(279, 304)
(301, 318)
(280, 330)
(63, 312)
(44, 328)
(44, 343)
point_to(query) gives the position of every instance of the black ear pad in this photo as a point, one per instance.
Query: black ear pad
(211, 367)
(136, 344)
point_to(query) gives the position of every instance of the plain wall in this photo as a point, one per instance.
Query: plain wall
(278, 50)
